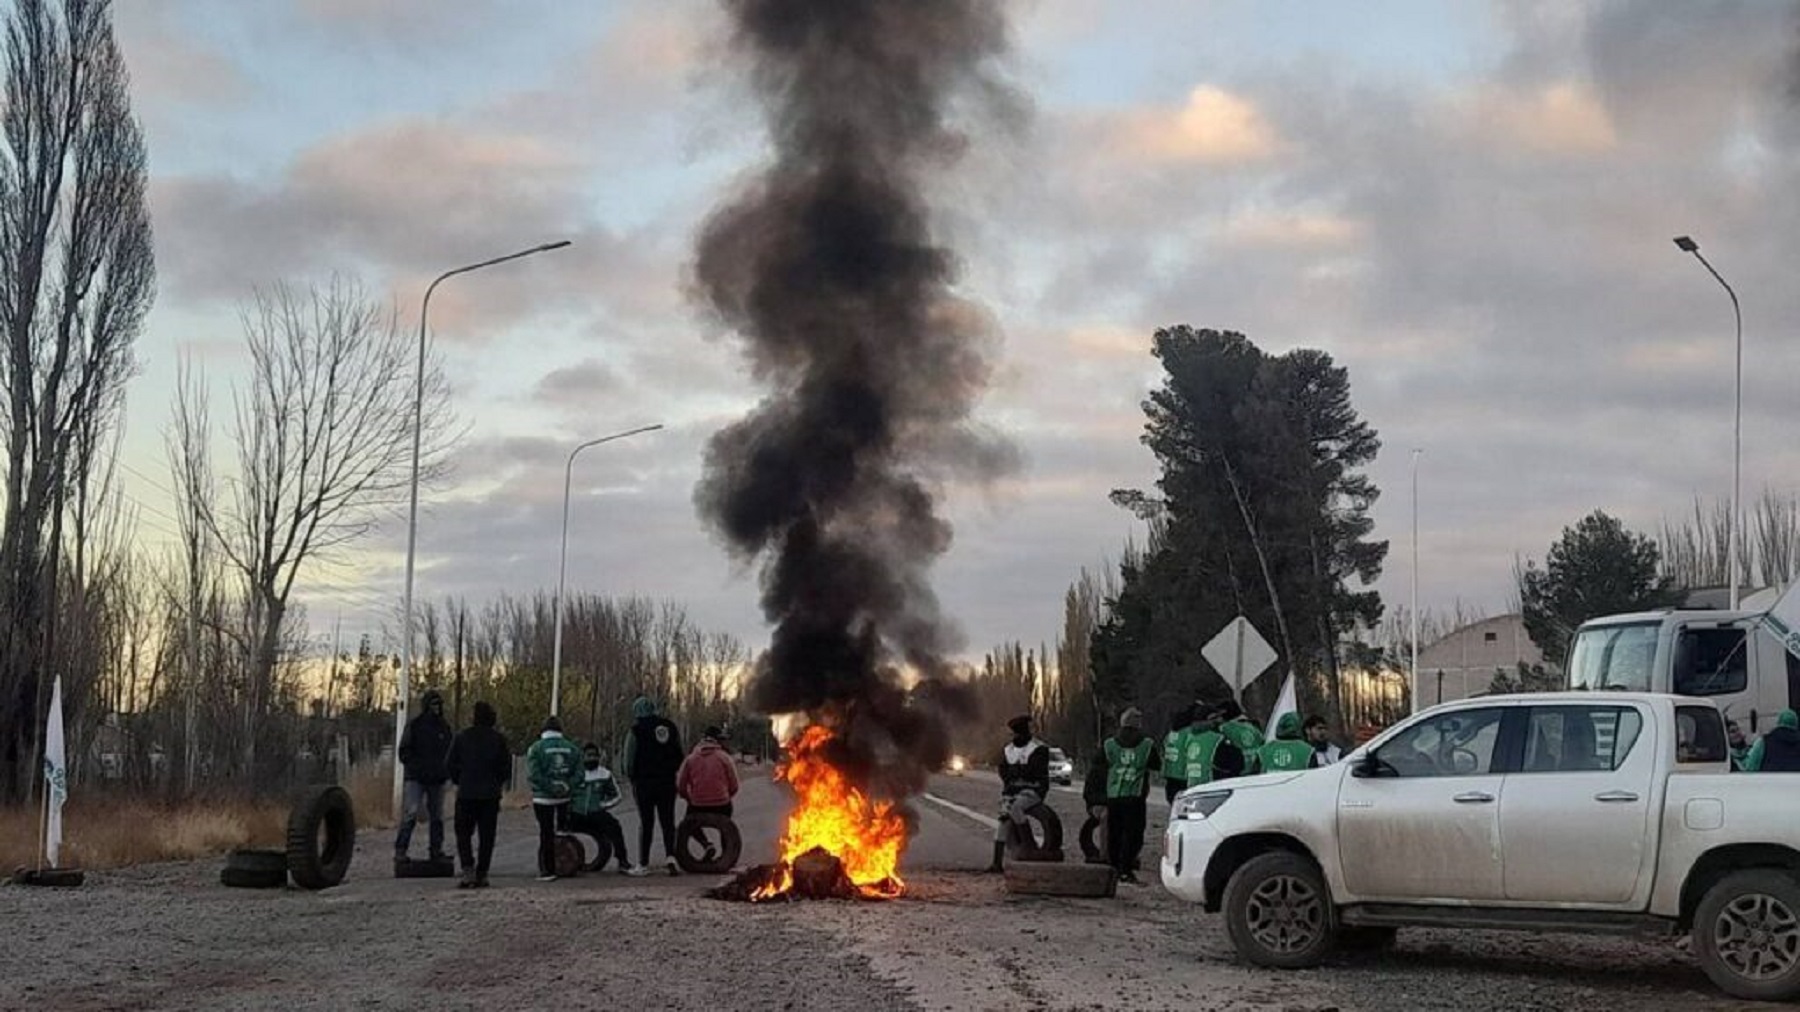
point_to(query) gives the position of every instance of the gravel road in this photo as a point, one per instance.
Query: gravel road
(170, 937)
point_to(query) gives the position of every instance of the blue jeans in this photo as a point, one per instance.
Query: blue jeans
(431, 799)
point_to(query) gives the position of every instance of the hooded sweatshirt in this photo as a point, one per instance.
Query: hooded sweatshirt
(1779, 750)
(708, 777)
(1289, 751)
(425, 747)
(653, 752)
(480, 763)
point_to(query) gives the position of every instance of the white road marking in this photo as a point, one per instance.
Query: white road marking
(986, 820)
(1156, 798)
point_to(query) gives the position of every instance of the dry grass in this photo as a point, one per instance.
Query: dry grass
(115, 833)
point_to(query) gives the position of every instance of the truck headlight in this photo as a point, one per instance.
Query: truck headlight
(1197, 806)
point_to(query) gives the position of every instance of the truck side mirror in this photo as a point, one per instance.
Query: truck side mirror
(1371, 766)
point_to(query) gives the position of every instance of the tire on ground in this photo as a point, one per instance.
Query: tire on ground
(1278, 912)
(570, 855)
(1024, 844)
(602, 852)
(263, 861)
(247, 878)
(693, 829)
(321, 811)
(1093, 840)
(1743, 904)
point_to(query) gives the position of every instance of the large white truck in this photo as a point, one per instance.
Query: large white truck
(1746, 661)
(1605, 812)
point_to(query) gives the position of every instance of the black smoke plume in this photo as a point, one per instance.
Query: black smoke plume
(827, 267)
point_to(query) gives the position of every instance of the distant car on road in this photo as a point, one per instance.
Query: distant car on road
(1062, 771)
(1611, 812)
(958, 766)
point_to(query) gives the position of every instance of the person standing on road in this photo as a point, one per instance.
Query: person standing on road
(597, 792)
(1024, 783)
(1240, 731)
(553, 764)
(1289, 751)
(1207, 755)
(1174, 743)
(653, 757)
(480, 764)
(1779, 750)
(1318, 735)
(1118, 782)
(708, 779)
(424, 749)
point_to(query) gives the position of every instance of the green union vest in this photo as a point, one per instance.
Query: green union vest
(1173, 745)
(1127, 768)
(1197, 756)
(1285, 754)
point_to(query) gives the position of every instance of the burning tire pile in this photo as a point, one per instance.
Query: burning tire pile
(826, 268)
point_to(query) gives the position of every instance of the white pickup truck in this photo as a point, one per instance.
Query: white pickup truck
(1593, 812)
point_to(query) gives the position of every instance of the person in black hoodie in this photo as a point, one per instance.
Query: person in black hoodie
(480, 764)
(653, 756)
(424, 748)
(1779, 750)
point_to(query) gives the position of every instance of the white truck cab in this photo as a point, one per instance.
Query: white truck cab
(1746, 661)
(1590, 812)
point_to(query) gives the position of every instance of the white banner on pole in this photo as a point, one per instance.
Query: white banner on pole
(1285, 703)
(56, 776)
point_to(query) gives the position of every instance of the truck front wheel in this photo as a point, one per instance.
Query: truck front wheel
(1278, 912)
(1747, 934)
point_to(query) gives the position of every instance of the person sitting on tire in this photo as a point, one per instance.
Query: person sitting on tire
(553, 764)
(588, 813)
(1024, 767)
(424, 750)
(653, 757)
(1118, 781)
(708, 779)
(480, 764)
(1289, 751)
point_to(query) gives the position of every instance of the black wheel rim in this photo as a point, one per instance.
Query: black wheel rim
(1285, 914)
(1757, 937)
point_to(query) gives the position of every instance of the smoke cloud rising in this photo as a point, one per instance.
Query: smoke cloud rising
(827, 267)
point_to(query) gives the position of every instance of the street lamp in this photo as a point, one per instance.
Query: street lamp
(562, 561)
(1415, 582)
(412, 507)
(1688, 245)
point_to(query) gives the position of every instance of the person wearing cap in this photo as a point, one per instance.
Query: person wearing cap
(1024, 783)
(553, 765)
(1118, 782)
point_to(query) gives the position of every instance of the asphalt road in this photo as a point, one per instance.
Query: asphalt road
(170, 936)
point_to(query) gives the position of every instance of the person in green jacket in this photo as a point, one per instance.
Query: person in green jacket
(553, 766)
(1779, 750)
(1290, 750)
(598, 791)
(1240, 731)
(1173, 744)
(1118, 782)
(1208, 755)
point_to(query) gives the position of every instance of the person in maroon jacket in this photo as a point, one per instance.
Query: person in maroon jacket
(708, 778)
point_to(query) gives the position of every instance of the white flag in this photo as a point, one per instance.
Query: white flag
(56, 776)
(1285, 703)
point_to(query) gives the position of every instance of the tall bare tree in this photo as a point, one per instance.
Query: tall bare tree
(323, 437)
(77, 276)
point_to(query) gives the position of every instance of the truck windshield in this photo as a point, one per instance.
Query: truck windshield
(1614, 657)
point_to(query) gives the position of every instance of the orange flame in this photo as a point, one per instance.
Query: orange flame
(867, 836)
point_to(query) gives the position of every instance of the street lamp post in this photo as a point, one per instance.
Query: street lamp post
(1734, 534)
(1415, 584)
(562, 561)
(412, 507)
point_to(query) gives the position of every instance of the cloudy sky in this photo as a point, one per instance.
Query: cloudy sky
(1470, 205)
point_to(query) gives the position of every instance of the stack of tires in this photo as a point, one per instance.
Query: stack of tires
(321, 838)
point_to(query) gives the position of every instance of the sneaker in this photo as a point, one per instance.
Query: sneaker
(638, 871)
(481, 882)
(1129, 878)
(626, 869)
(467, 881)
(546, 878)
(674, 869)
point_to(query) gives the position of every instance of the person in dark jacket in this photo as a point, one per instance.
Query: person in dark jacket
(1779, 750)
(653, 756)
(1024, 782)
(479, 764)
(424, 752)
(1118, 781)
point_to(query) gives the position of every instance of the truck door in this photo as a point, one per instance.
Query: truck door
(1575, 818)
(1419, 819)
